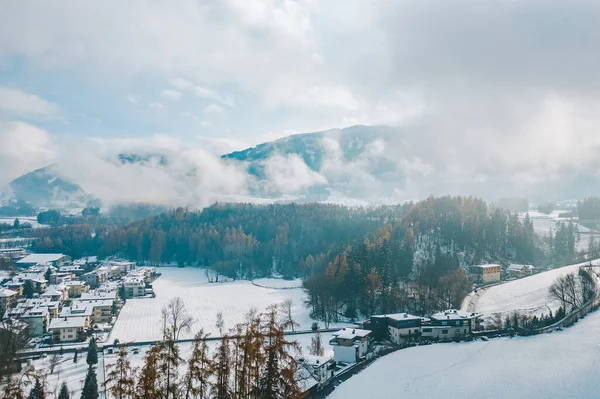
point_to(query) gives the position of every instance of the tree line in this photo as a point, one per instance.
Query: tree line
(416, 263)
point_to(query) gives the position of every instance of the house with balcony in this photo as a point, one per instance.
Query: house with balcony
(68, 329)
(398, 327)
(77, 288)
(450, 324)
(78, 310)
(350, 344)
(8, 298)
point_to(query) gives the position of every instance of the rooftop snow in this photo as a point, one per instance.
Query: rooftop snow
(40, 258)
(69, 322)
(351, 333)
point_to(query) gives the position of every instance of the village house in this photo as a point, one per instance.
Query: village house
(485, 274)
(398, 327)
(75, 269)
(450, 324)
(76, 288)
(320, 368)
(56, 293)
(68, 329)
(78, 310)
(43, 259)
(12, 253)
(37, 320)
(16, 286)
(134, 287)
(8, 298)
(518, 271)
(350, 344)
(95, 278)
(98, 294)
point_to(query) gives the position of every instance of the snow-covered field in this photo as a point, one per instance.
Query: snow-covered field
(278, 283)
(528, 295)
(560, 365)
(140, 318)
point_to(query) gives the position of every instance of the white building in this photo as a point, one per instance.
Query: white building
(43, 259)
(518, 271)
(350, 344)
(450, 324)
(7, 298)
(68, 329)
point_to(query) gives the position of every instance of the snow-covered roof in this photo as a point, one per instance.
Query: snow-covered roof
(40, 258)
(68, 322)
(517, 267)
(78, 309)
(93, 295)
(351, 333)
(4, 293)
(400, 316)
(453, 314)
(488, 266)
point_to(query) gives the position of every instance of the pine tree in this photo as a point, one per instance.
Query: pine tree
(200, 369)
(147, 382)
(28, 289)
(37, 391)
(90, 386)
(120, 378)
(64, 391)
(92, 353)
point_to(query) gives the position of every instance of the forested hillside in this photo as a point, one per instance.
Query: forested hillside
(413, 263)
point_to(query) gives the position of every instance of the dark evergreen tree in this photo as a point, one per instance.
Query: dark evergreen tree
(90, 386)
(64, 391)
(92, 353)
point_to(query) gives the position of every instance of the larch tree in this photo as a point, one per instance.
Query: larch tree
(200, 369)
(169, 360)
(222, 363)
(120, 378)
(147, 382)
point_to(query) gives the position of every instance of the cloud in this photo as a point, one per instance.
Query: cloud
(156, 105)
(174, 174)
(213, 110)
(17, 103)
(289, 174)
(23, 148)
(202, 91)
(172, 95)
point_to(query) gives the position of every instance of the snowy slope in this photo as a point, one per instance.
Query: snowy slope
(527, 295)
(561, 365)
(140, 318)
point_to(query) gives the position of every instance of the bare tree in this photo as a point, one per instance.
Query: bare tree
(286, 313)
(316, 344)
(176, 319)
(572, 290)
(54, 361)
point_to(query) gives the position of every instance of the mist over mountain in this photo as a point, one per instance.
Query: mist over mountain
(359, 164)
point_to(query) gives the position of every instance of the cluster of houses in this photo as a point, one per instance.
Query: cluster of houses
(492, 273)
(70, 298)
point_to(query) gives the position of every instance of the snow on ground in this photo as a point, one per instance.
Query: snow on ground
(560, 365)
(140, 319)
(23, 219)
(277, 283)
(528, 295)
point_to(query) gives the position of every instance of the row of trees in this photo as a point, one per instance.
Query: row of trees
(252, 360)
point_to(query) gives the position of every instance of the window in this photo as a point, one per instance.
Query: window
(444, 331)
(427, 330)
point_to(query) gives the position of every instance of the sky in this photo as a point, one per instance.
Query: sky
(507, 87)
